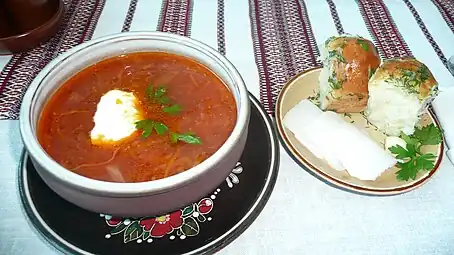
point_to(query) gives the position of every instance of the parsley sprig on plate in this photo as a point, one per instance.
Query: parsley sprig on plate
(148, 126)
(412, 159)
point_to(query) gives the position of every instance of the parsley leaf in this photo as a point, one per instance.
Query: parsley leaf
(157, 95)
(411, 157)
(408, 139)
(163, 100)
(401, 152)
(428, 135)
(150, 92)
(147, 126)
(160, 91)
(189, 138)
(160, 128)
(426, 161)
(174, 109)
(407, 171)
(363, 44)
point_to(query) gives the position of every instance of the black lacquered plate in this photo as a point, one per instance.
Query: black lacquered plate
(204, 227)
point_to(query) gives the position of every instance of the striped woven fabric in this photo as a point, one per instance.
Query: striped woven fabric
(269, 41)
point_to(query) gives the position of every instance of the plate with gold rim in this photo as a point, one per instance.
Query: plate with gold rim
(305, 86)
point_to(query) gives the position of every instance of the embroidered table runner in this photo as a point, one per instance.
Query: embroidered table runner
(285, 36)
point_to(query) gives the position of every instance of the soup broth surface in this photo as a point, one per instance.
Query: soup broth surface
(206, 111)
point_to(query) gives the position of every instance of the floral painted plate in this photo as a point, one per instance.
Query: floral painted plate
(305, 86)
(203, 227)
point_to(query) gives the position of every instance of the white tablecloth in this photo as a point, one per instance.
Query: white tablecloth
(303, 215)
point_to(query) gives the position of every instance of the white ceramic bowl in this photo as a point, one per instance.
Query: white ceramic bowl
(144, 198)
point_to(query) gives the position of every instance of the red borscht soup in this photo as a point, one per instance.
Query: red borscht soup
(137, 117)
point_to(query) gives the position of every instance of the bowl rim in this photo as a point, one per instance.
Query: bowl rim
(55, 18)
(113, 189)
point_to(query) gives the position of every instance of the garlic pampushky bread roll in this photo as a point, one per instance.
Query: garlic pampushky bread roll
(399, 92)
(348, 63)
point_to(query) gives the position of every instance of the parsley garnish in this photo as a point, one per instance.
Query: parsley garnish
(160, 92)
(329, 40)
(413, 159)
(147, 126)
(158, 95)
(187, 138)
(174, 109)
(363, 44)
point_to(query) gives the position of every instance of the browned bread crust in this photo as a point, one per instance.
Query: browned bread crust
(351, 61)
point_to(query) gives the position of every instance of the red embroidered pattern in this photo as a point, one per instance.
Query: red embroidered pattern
(335, 16)
(426, 33)
(284, 44)
(220, 27)
(129, 15)
(78, 24)
(446, 8)
(381, 26)
(176, 16)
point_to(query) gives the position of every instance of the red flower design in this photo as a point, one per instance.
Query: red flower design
(113, 222)
(205, 206)
(162, 225)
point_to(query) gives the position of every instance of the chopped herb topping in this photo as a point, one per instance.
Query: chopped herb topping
(315, 99)
(334, 83)
(363, 44)
(360, 96)
(367, 121)
(347, 115)
(333, 96)
(329, 40)
(409, 80)
(337, 55)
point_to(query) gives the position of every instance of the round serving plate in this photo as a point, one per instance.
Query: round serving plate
(203, 227)
(305, 86)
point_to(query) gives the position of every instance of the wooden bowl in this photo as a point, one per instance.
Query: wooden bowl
(30, 35)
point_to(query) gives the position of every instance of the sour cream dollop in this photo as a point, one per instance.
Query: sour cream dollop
(115, 117)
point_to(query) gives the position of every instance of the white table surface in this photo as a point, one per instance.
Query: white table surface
(303, 215)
